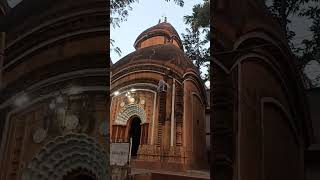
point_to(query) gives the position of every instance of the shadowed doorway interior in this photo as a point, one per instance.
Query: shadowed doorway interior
(82, 177)
(135, 133)
(79, 175)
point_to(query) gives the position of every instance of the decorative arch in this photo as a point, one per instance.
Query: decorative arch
(195, 79)
(66, 154)
(295, 144)
(129, 111)
(269, 43)
(286, 112)
(195, 94)
(259, 34)
(285, 72)
(2, 11)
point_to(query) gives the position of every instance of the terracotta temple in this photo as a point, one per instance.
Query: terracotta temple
(53, 118)
(159, 101)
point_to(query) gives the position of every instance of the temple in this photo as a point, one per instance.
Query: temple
(53, 118)
(159, 101)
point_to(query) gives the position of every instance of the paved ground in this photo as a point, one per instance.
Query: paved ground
(189, 173)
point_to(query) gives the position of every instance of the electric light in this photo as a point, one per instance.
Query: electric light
(52, 105)
(116, 93)
(21, 100)
(131, 100)
(61, 110)
(74, 90)
(59, 99)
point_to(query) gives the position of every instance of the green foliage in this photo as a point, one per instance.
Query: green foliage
(283, 10)
(196, 41)
(116, 49)
(311, 47)
(195, 47)
(119, 10)
(200, 17)
(178, 2)
(196, 50)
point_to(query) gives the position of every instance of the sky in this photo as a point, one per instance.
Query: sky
(144, 14)
(300, 26)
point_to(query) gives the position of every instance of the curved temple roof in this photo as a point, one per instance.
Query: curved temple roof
(167, 53)
(161, 29)
(163, 53)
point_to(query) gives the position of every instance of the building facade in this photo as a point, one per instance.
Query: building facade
(312, 154)
(159, 101)
(259, 110)
(53, 96)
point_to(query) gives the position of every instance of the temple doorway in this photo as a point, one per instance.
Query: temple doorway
(135, 134)
(79, 175)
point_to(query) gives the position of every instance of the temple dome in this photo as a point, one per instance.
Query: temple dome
(162, 33)
(160, 45)
(166, 54)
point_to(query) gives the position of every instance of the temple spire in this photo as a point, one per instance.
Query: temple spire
(163, 18)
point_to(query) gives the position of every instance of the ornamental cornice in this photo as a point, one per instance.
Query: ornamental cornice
(147, 68)
(59, 10)
(84, 23)
(49, 24)
(49, 72)
(143, 83)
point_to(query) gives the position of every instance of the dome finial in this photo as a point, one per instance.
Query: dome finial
(163, 29)
(163, 18)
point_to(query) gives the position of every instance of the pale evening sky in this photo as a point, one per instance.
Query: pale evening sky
(144, 14)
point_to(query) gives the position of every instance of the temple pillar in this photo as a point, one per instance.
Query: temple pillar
(222, 125)
(172, 124)
(167, 134)
(162, 116)
(2, 47)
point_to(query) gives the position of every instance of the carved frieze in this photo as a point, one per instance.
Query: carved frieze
(39, 135)
(55, 160)
(128, 111)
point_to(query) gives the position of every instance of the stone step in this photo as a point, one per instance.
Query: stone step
(148, 174)
(168, 176)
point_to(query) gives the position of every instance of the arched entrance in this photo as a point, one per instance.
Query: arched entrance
(135, 134)
(70, 157)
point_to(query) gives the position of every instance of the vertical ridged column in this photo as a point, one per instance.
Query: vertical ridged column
(3, 128)
(3, 112)
(162, 115)
(222, 122)
(179, 114)
(168, 112)
(2, 46)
